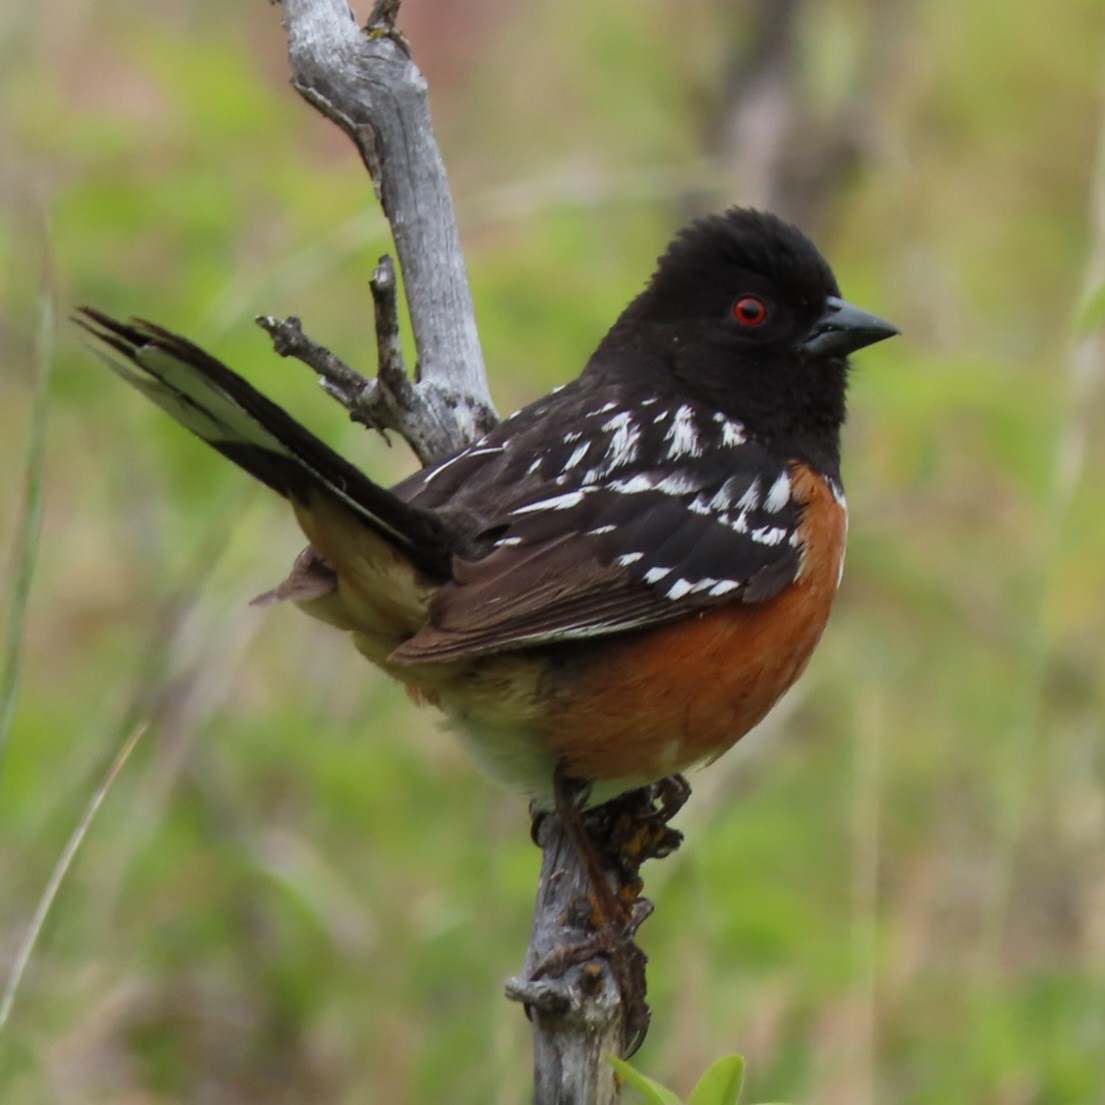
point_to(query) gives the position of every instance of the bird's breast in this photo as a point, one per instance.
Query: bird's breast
(658, 701)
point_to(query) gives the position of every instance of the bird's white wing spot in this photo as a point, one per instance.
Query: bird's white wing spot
(679, 588)
(703, 585)
(682, 435)
(633, 486)
(779, 495)
(676, 484)
(768, 535)
(623, 443)
(732, 433)
(723, 587)
(577, 455)
(557, 502)
(750, 500)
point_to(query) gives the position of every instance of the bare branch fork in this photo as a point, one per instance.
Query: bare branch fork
(583, 990)
(365, 82)
(391, 401)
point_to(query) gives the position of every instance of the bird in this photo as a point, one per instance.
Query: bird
(618, 581)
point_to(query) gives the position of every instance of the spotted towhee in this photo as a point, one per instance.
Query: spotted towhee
(620, 579)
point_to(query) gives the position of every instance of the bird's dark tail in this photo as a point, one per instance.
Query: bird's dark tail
(232, 416)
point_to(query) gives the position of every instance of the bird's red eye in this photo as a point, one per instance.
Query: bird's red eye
(750, 310)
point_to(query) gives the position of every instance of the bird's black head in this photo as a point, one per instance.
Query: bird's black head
(745, 315)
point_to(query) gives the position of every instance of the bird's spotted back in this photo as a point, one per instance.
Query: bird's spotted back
(675, 495)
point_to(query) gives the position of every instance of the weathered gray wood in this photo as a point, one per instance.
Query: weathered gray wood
(578, 1016)
(366, 82)
(583, 980)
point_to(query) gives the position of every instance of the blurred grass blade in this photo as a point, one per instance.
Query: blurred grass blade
(61, 868)
(1090, 316)
(721, 1084)
(30, 523)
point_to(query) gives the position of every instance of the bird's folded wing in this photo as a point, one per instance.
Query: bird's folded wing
(640, 551)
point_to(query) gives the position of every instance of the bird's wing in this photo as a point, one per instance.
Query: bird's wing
(611, 544)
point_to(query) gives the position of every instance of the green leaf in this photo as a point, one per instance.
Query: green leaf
(650, 1090)
(721, 1084)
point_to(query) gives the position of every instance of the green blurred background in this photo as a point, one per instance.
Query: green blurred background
(298, 889)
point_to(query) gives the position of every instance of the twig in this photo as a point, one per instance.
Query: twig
(289, 340)
(389, 402)
(394, 401)
(389, 349)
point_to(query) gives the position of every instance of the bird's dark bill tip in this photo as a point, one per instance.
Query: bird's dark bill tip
(843, 328)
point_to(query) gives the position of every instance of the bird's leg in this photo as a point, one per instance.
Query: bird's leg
(569, 795)
(608, 843)
(613, 840)
(612, 924)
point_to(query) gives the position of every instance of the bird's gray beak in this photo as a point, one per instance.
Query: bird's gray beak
(843, 329)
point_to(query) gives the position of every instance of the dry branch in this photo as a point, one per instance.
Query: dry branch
(366, 82)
